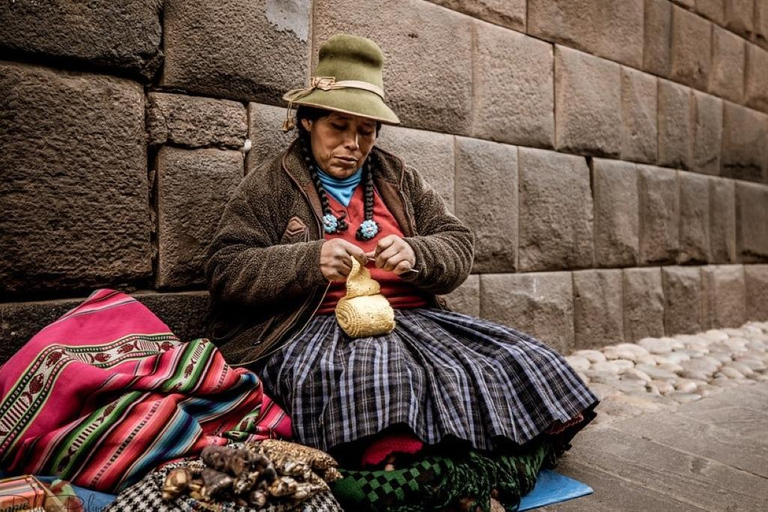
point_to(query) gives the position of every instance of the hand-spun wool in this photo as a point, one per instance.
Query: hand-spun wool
(364, 311)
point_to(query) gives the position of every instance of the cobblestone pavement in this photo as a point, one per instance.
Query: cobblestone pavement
(661, 373)
(683, 424)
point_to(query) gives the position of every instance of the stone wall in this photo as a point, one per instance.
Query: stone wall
(610, 155)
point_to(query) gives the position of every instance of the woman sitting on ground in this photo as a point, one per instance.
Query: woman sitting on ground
(277, 270)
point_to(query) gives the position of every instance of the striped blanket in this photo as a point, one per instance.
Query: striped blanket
(107, 393)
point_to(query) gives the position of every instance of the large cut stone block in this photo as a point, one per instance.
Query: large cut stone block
(674, 125)
(683, 300)
(694, 218)
(713, 10)
(756, 279)
(726, 78)
(598, 308)
(745, 132)
(756, 93)
(428, 56)
(74, 193)
(192, 189)
(657, 37)
(555, 211)
(752, 221)
(659, 215)
(761, 23)
(507, 13)
(722, 220)
(724, 296)
(486, 200)
(540, 305)
(707, 128)
(612, 29)
(265, 130)
(691, 48)
(466, 298)
(617, 221)
(120, 36)
(739, 16)
(430, 153)
(513, 88)
(587, 103)
(238, 49)
(195, 122)
(643, 304)
(184, 312)
(639, 116)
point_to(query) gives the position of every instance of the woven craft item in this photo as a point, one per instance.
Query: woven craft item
(364, 311)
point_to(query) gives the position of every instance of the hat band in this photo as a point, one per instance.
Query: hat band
(324, 83)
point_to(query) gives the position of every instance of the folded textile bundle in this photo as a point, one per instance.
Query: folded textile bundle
(107, 393)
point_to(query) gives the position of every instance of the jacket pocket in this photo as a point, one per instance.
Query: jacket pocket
(295, 231)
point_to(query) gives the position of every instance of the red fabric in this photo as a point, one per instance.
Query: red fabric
(400, 294)
(386, 445)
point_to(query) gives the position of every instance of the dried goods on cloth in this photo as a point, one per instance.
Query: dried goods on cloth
(275, 476)
(107, 393)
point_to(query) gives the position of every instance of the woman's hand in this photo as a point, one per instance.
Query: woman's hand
(336, 259)
(393, 254)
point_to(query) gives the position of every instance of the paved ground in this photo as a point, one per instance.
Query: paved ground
(711, 454)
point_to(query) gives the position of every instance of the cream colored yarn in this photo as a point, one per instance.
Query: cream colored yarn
(364, 311)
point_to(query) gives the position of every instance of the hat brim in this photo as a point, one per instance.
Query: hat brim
(357, 102)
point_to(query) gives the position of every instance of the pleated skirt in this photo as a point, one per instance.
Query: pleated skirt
(442, 374)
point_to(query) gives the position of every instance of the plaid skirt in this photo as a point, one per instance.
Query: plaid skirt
(443, 374)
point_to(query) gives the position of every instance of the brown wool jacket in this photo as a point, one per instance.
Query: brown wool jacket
(263, 265)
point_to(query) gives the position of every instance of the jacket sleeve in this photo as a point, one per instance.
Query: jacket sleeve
(444, 246)
(247, 266)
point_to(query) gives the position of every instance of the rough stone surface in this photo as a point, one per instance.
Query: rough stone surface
(431, 154)
(587, 103)
(643, 303)
(617, 222)
(513, 88)
(121, 36)
(466, 298)
(555, 211)
(265, 131)
(238, 49)
(184, 312)
(486, 191)
(675, 130)
(657, 37)
(761, 23)
(597, 308)
(639, 116)
(745, 137)
(713, 10)
(659, 215)
(75, 215)
(724, 296)
(612, 29)
(683, 299)
(691, 48)
(193, 187)
(507, 13)
(694, 218)
(195, 122)
(756, 92)
(539, 304)
(739, 16)
(427, 56)
(726, 78)
(722, 220)
(707, 125)
(752, 221)
(756, 279)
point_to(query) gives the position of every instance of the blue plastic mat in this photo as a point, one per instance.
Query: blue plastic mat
(552, 487)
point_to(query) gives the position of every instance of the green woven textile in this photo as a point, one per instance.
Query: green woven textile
(437, 482)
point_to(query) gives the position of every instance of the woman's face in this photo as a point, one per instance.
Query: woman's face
(341, 142)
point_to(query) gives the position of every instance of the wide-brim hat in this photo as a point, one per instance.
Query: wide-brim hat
(347, 79)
